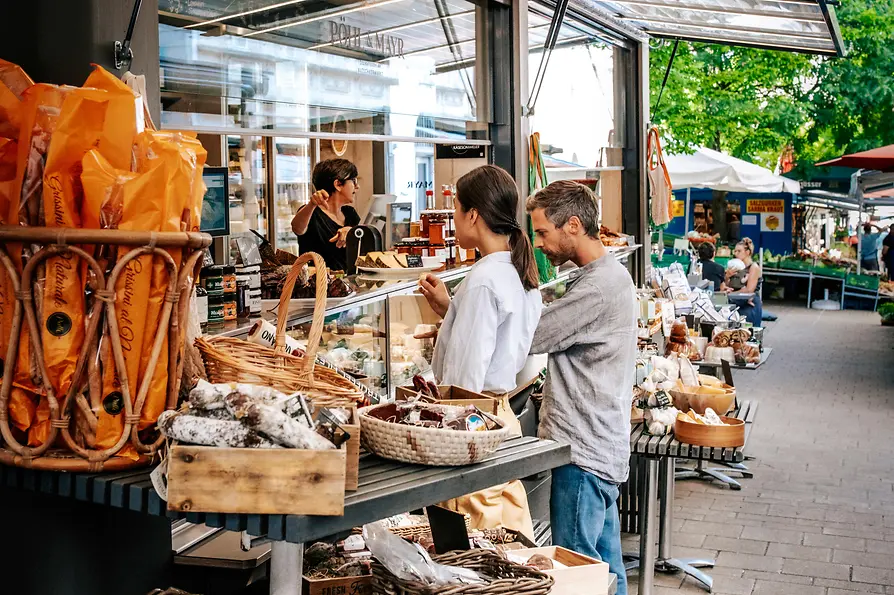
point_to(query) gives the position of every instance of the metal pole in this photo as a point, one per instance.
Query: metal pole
(647, 530)
(686, 215)
(665, 529)
(286, 565)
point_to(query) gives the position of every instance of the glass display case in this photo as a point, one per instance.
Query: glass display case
(385, 333)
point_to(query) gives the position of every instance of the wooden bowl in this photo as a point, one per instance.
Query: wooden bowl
(728, 436)
(691, 397)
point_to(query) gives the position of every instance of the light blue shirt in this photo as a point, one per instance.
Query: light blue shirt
(870, 245)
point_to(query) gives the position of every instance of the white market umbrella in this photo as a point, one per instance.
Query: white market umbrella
(707, 168)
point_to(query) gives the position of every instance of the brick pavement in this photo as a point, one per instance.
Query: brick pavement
(818, 517)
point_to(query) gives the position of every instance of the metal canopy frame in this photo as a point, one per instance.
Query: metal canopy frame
(807, 26)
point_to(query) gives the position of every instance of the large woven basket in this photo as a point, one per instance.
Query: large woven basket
(508, 578)
(236, 360)
(68, 446)
(426, 446)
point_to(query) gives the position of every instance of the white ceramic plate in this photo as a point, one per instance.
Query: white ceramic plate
(407, 273)
(296, 304)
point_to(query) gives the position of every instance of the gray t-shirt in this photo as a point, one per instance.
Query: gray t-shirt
(590, 336)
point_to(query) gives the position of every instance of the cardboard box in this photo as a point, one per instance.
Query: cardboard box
(454, 395)
(352, 585)
(582, 575)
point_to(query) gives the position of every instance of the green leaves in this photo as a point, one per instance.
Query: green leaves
(753, 103)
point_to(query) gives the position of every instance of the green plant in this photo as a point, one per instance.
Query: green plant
(886, 311)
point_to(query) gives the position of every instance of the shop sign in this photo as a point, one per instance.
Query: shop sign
(679, 208)
(354, 38)
(460, 152)
(772, 222)
(765, 206)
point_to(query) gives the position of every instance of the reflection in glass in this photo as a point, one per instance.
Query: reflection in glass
(293, 188)
(354, 341)
(247, 162)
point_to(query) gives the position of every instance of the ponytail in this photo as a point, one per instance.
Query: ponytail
(523, 258)
(493, 193)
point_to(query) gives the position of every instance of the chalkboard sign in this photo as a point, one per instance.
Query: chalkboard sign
(414, 260)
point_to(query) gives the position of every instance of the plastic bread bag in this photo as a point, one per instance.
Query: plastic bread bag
(124, 120)
(7, 292)
(13, 84)
(409, 562)
(84, 122)
(184, 157)
(141, 210)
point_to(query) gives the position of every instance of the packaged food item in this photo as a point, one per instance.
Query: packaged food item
(13, 84)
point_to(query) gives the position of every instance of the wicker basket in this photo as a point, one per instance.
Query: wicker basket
(427, 446)
(62, 450)
(508, 578)
(236, 360)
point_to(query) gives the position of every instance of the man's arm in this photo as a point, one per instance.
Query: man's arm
(563, 321)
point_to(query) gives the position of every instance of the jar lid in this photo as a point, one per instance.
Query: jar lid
(215, 270)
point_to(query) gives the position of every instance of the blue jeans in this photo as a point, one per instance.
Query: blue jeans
(584, 518)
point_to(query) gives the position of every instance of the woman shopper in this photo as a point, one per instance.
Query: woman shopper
(490, 322)
(752, 307)
(322, 225)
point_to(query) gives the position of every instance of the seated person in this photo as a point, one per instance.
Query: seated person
(710, 270)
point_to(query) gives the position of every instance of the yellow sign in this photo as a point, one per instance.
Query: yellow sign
(765, 206)
(679, 208)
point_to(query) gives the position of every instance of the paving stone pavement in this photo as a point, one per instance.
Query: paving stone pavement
(818, 517)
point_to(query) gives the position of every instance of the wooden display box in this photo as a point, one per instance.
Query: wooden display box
(256, 480)
(583, 575)
(352, 450)
(352, 447)
(351, 585)
(454, 395)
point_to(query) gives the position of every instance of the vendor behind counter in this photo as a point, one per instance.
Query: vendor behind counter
(323, 224)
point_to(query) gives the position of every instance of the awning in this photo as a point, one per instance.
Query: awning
(881, 159)
(809, 26)
(707, 168)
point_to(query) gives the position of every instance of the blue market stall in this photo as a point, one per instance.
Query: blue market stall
(765, 217)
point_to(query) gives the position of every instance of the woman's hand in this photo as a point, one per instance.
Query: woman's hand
(435, 292)
(320, 198)
(340, 238)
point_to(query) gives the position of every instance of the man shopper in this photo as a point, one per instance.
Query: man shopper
(590, 336)
(870, 244)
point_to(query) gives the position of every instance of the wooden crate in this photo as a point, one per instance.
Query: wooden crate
(352, 585)
(352, 448)
(454, 395)
(582, 575)
(256, 480)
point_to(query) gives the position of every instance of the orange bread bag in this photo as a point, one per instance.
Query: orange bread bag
(13, 84)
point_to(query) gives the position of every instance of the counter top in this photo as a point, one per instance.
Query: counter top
(386, 488)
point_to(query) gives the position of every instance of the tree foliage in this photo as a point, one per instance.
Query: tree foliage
(754, 103)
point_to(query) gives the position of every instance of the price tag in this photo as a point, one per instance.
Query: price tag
(414, 260)
(664, 399)
(159, 478)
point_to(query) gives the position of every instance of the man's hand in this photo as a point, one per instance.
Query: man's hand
(435, 292)
(340, 238)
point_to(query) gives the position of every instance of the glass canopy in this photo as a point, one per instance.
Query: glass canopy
(794, 25)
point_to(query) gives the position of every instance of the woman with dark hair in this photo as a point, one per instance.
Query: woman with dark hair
(710, 270)
(322, 225)
(490, 322)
